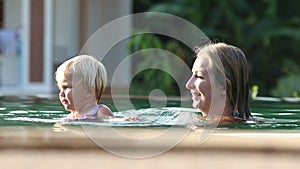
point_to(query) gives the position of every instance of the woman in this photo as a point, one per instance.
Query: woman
(219, 83)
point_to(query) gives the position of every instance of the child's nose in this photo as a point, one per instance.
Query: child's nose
(62, 93)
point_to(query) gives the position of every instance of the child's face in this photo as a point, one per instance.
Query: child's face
(72, 93)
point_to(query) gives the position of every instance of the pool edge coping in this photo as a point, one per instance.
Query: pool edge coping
(76, 139)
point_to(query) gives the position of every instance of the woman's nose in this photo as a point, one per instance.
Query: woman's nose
(190, 83)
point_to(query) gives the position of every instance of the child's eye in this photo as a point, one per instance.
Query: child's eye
(64, 87)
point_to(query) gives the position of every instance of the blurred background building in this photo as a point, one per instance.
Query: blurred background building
(38, 35)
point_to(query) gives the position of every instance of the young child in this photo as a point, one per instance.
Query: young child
(81, 81)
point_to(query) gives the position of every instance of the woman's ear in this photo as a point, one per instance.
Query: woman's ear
(224, 92)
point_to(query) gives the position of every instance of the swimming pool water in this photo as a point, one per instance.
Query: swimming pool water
(46, 111)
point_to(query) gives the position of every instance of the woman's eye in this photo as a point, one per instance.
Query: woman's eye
(199, 76)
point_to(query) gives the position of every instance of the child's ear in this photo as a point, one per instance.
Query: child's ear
(89, 93)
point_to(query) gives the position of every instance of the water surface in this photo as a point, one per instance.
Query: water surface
(46, 111)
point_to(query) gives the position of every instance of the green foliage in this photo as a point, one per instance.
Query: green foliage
(254, 91)
(147, 80)
(288, 85)
(267, 31)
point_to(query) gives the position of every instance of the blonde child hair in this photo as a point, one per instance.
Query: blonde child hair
(92, 72)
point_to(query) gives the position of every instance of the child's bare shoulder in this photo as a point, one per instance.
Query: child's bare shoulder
(104, 111)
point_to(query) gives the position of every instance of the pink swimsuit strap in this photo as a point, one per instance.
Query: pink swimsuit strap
(86, 115)
(93, 115)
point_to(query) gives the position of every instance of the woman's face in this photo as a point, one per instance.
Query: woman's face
(200, 86)
(207, 96)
